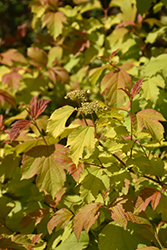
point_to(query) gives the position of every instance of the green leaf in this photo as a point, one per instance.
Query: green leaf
(161, 208)
(54, 23)
(93, 181)
(149, 119)
(114, 237)
(111, 85)
(57, 121)
(143, 5)
(86, 217)
(95, 74)
(71, 243)
(6, 168)
(80, 138)
(6, 206)
(40, 161)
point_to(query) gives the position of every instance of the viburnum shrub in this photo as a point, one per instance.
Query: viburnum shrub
(83, 161)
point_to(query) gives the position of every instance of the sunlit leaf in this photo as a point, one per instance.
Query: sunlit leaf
(110, 85)
(72, 243)
(12, 79)
(57, 121)
(86, 217)
(10, 56)
(60, 219)
(40, 161)
(54, 23)
(80, 138)
(149, 119)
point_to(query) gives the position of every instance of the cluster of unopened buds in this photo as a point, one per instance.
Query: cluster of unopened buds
(90, 108)
(80, 95)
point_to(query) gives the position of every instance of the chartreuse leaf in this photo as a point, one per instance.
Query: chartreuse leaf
(86, 217)
(71, 243)
(149, 119)
(110, 117)
(40, 161)
(54, 22)
(57, 121)
(150, 88)
(114, 237)
(156, 65)
(80, 138)
(93, 181)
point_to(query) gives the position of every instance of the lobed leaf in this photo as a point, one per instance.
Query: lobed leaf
(12, 79)
(54, 23)
(149, 119)
(17, 127)
(57, 121)
(60, 219)
(40, 161)
(86, 217)
(111, 82)
(38, 107)
(5, 96)
(80, 138)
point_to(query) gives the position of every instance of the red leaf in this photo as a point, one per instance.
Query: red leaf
(38, 107)
(61, 219)
(12, 79)
(36, 238)
(86, 217)
(150, 195)
(118, 214)
(11, 55)
(2, 127)
(136, 87)
(17, 127)
(4, 96)
(38, 57)
(76, 171)
(113, 54)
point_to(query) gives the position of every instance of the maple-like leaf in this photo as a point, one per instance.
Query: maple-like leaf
(136, 87)
(78, 139)
(86, 217)
(54, 22)
(17, 127)
(5, 96)
(149, 195)
(12, 79)
(58, 73)
(38, 57)
(110, 85)
(40, 161)
(11, 55)
(60, 219)
(149, 119)
(118, 215)
(38, 107)
(57, 121)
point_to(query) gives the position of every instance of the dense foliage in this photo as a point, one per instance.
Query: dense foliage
(83, 161)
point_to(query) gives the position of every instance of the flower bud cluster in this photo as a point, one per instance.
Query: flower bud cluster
(90, 107)
(77, 95)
